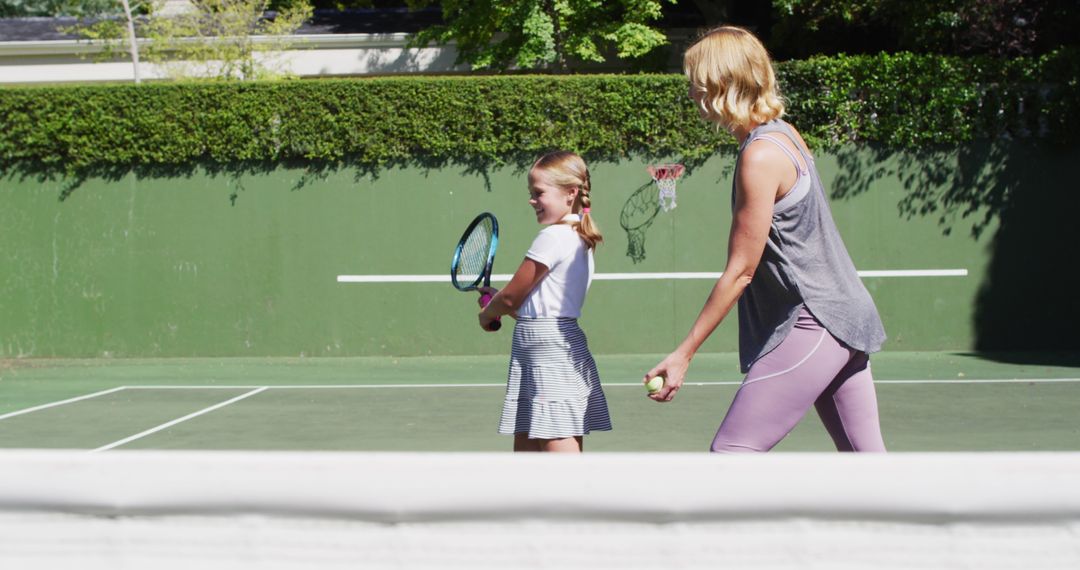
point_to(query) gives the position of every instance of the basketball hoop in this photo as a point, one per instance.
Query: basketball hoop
(665, 176)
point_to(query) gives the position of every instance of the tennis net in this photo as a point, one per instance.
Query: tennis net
(136, 509)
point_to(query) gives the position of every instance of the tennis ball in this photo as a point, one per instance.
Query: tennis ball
(654, 385)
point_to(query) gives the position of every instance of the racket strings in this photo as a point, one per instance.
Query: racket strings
(474, 252)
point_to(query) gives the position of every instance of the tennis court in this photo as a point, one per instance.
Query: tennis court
(929, 401)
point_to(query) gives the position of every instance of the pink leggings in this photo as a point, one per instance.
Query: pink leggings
(808, 367)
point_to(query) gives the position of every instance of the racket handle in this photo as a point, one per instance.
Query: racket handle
(497, 323)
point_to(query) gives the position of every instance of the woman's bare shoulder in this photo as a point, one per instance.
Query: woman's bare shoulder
(760, 153)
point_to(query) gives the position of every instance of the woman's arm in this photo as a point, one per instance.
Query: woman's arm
(755, 193)
(507, 300)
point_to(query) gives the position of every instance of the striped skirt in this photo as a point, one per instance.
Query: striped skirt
(553, 389)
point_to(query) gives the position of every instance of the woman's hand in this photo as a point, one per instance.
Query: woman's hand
(673, 369)
(759, 179)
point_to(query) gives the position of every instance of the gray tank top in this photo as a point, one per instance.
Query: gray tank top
(804, 263)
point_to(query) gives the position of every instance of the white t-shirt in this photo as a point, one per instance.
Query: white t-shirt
(561, 292)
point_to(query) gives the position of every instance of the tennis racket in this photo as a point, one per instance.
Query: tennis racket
(474, 256)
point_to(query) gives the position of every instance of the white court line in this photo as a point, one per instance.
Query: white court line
(981, 381)
(178, 420)
(60, 403)
(303, 386)
(605, 384)
(503, 277)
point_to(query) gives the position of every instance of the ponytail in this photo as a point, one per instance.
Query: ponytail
(586, 228)
(570, 171)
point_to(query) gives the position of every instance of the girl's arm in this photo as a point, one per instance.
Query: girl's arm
(756, 189)
(507, 300)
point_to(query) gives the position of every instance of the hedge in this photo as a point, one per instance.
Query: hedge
(898, 100)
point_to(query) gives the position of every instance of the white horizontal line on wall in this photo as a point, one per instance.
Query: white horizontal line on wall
(640, 276)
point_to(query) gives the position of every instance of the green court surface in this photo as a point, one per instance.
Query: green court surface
(928, 402)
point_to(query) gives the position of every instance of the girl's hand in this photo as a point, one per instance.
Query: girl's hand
(486, 294)
(485, 321)
(489, 291)
(673, 369)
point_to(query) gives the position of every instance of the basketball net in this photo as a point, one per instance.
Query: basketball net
(666, 176)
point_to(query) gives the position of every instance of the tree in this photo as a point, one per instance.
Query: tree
(714, 12)
(55, 8)
(216, 40)
(133, 44)
(994, 27)
(556, 34)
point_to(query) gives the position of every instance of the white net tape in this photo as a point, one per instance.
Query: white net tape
(385, 510)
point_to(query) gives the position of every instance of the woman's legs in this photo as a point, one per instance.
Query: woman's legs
(810, 367)
(848, 408)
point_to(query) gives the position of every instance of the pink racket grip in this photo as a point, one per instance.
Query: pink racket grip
(497, 323)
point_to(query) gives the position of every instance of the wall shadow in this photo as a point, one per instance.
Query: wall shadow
(1022, 190)
(313, 172)
(637, 214)
(1029, 299)
(1041, 358)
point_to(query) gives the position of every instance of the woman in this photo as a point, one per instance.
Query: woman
(806, 323)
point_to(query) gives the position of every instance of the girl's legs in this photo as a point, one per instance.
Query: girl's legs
(564, 445)
(523, 443)
(809, 367)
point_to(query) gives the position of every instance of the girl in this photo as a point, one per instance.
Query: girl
(806, 323)
(553, 393)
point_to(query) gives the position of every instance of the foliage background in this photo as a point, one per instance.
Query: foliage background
(898, 100)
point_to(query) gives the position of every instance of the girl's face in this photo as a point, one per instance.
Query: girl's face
(552, 203)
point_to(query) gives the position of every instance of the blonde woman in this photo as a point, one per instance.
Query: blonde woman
(553, 393)
(806, 322)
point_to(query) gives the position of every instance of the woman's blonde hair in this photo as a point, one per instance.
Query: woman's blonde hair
(733, 70)
(569, 171)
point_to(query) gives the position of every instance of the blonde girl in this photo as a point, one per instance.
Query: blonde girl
(553, 393)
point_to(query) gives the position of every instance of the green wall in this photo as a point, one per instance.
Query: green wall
(219, 264)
